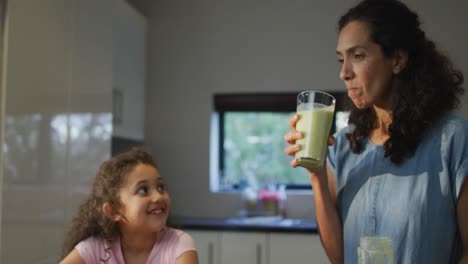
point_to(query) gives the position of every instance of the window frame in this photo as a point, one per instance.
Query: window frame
(277, 102)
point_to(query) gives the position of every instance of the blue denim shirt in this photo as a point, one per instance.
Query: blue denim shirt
(413, 203)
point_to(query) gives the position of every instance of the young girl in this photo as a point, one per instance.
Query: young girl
(124, 218)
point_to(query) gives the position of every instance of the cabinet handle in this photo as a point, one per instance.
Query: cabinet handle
(259, 254)
(117, 104)
(210, 253)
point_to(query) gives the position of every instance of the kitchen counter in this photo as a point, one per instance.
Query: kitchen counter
(258, 224)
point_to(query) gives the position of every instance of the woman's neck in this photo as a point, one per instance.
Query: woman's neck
(383, 121)
(384, 114)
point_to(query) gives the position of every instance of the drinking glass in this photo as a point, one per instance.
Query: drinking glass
(315, 109)
(375, 250)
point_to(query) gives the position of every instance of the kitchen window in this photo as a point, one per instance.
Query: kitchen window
(247, 146)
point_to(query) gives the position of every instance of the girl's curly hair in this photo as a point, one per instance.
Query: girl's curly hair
(90, 221)
(428, 86)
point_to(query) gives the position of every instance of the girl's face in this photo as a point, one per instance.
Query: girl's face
(145, 201)
(366, 72)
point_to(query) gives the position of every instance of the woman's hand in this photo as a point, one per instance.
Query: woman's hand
(291, 136)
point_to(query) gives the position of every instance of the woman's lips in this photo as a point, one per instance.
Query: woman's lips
(353, 92)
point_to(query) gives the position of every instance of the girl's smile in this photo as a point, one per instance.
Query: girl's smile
(145, 201)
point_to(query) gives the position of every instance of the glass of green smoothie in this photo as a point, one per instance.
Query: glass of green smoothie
(373, 250)
(316, 110)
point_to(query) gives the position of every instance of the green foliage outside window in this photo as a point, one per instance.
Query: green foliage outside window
(254, 150)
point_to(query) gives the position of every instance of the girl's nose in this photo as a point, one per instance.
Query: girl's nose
(157, 195)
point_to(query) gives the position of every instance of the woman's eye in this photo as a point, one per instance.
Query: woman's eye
(142, 190)
(340, 61)
(358, 56)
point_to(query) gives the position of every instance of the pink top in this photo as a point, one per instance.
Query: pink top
(170, 245)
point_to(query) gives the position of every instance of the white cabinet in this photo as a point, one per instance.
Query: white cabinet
(246, 248)
(57, 92)
(296, 248)
(222, 247)
(129, 51)
(208, 246)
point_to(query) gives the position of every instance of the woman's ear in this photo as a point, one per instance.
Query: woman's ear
(110, 212)
(400, 61)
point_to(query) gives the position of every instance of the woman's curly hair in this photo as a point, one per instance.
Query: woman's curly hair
(90, 221)
(428, 86)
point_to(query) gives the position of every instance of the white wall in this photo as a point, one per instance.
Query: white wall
(198, 48)
(446, 23)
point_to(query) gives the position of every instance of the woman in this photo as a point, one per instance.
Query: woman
(399, 169)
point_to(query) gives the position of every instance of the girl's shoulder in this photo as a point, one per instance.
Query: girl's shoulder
(170, 245)
(173, 234)
(91, 242)
(94, 248)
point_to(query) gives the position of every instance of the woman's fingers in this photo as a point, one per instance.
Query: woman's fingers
(292, 122)
(294, 163)
(292, 136)
(331, 140)
(292, 149)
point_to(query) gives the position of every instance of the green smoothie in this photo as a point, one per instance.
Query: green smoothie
(315, 123)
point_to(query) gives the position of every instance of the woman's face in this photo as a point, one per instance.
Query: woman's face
(145, 201)
(366, 72)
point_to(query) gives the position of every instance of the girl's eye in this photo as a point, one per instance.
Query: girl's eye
(340, 61)
(142, 190)
(161, 187)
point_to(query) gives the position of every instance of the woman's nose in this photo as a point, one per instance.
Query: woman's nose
(346, 72)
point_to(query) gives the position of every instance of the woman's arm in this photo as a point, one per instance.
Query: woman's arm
(462, 219)
(188, 257)
(326, 212)
(324, 188)
(73, 258)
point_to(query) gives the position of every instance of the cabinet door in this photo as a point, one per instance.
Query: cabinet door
(207, 244)
(245, 248)
(128, 50)
(296, 248)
